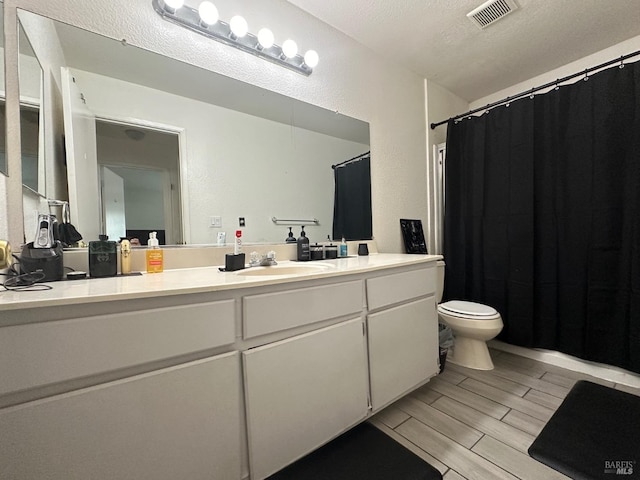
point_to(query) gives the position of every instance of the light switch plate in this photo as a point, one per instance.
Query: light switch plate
(216, 222)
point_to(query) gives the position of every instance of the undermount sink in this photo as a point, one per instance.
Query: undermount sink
(283, 270)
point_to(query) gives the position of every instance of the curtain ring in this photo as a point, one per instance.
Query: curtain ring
(557, 87)
(531, 95)
(586, 74)
(621, 61)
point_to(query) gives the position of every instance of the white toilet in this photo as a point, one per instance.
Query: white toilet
(472, 325)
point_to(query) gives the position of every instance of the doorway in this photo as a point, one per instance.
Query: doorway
(139, 170)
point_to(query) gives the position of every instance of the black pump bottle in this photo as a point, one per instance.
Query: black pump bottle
(303, 247)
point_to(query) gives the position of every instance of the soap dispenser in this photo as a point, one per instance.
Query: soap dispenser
(303, 247)
(290, 238)
(155, 256)
(344, 252)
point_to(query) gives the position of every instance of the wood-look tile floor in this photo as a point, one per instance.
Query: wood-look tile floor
(478, 425)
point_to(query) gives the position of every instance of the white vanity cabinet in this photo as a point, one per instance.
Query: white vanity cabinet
(124, 394)
(179, 422)
(303, 391)
(402, 333)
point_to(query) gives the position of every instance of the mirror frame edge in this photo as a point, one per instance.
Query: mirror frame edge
(14, 189)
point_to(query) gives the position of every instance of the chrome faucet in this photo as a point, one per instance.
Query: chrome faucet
(267, 260)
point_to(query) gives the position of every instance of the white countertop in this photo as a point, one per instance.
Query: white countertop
(193, 280)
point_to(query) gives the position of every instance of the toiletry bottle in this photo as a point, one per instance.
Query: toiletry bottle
(290, 238)
(343, 248)
(237, 246)
(155, 255)
(303, 247)
(103, 258)
(125, 256)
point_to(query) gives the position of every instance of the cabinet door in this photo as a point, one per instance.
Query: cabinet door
(302, 392)
(403, 349)
(179, 422)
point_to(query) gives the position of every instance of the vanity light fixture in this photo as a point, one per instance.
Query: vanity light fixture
(204, 20)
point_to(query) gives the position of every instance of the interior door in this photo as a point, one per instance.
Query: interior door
(113, 203)
(82, 159)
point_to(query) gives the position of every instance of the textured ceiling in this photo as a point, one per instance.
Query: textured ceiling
(435, 39)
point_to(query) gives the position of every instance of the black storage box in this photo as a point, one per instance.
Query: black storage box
(233, 262)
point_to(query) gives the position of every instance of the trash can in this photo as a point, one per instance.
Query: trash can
(445, 341)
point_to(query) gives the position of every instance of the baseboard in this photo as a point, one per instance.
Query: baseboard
(599, 370)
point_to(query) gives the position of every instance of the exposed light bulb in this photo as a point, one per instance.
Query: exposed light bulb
(289, 48)
(208, 13)
(265, 38)
(311, 58)
(174, 4)
(239, 26)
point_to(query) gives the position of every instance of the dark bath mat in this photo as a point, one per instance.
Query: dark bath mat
(594, 434)
(362, 453)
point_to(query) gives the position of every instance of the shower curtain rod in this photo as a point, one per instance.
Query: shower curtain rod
(351, 159)
(536, 89)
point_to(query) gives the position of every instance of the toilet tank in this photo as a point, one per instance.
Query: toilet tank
(439, 280)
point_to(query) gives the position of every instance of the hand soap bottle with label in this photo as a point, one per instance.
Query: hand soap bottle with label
(303, 247)
(155, 255)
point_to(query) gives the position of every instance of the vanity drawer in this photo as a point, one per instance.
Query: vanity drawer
(399, 287)
(38, 354)
(274, 312)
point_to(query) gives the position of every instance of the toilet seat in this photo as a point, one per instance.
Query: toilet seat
(470, 310)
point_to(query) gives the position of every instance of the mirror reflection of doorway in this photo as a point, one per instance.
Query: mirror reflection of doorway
(139, 181)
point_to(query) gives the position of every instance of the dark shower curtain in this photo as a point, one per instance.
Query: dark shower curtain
(352, 200)
(543, 217)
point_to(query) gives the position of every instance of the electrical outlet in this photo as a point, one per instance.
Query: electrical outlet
(241, 221)
(216, 222)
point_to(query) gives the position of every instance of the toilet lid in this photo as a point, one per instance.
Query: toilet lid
(468, 308)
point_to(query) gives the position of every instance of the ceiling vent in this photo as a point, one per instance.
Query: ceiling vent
(491, 11)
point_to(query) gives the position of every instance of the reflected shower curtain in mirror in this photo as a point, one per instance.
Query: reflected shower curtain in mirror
(352, 200)
(543, 217)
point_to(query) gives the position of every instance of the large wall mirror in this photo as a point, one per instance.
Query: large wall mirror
(156, 144)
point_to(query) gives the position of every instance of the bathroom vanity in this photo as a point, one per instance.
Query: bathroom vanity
(197, 373)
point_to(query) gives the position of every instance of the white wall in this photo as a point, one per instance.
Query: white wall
(236, 165)
(602, 56)
(349, 79)
(441, 104)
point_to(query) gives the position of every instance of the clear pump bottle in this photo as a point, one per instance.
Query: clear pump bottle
(155, 255)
